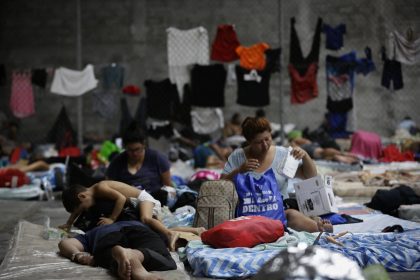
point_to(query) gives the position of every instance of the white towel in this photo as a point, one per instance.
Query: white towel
(73, 83)
(206, 120)
(404, 50)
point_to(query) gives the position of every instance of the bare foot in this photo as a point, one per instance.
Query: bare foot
(122, 256)
(136, 269)
(198, 231)
(324, 225)
(172, 238)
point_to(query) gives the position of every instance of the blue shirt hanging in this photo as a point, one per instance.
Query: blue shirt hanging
(334, 36)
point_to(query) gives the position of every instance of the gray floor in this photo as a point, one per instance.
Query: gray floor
(36, 211)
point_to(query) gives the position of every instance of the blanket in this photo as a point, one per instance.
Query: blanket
(395, 251)
(206, 261)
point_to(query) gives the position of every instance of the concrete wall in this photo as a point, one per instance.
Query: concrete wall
(42, 33)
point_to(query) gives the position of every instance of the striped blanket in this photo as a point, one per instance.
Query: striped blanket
(395, 251)
(206, 261)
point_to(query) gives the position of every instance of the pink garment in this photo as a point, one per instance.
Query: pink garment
(205, 174)
(22, 98)
(366, 144)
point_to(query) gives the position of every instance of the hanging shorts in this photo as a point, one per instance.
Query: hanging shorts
(392, 72)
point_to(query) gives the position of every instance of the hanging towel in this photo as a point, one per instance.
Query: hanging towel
(73, 83)
(22, 97)
(206, 120)
(404, 50)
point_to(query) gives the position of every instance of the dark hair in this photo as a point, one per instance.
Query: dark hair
(133, 134)
(251, 126)
(70, 197)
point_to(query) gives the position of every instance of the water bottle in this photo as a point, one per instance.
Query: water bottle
(49, 233)
(48, 189)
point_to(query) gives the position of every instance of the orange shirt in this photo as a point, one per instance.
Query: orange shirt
(252, 57)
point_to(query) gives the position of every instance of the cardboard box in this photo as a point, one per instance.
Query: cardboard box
(315, 196)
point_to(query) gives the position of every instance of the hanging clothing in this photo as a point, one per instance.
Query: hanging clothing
(185, 48)
(366, 65)
(113, 76)
(303, 88)
(337, 125)
(62, 132)
(253, 87)
(157, 128)
(273, 60)
(403, 49)
(208, 85)
(252, 57)
(301, 63)
(104, 103)
(139, 117)
(391, 72)
(340, 81)
(206, 120)
(162, 99)
(334, 36)
(22, 102)
(73, 83)
(303, 70)
(225, 44)
(39, 77)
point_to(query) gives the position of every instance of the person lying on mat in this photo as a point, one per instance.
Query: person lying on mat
(260, 156)
(77, 199)
(129, 249)
(315, 151)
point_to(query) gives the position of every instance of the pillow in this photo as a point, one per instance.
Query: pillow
(246, 231)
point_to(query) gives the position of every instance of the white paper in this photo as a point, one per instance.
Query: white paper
(290, 165)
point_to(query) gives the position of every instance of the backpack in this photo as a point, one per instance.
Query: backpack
(216, 203)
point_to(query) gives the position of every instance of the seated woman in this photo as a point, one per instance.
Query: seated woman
(260, 155)
(140, 166)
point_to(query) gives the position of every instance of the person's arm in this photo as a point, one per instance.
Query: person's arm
(103, 190)
(67, 226)
(72, 249)
(165, 177)
(308, 167)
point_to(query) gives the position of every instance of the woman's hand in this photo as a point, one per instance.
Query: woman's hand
(249, 165)
(298, 153)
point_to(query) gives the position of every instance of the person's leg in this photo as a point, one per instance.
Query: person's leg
(298, 221)
(146, 217)
(39, 165)
(196, 230)
(130, 264)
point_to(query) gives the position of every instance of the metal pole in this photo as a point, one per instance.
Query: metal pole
(79, 67)
(282, 136)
